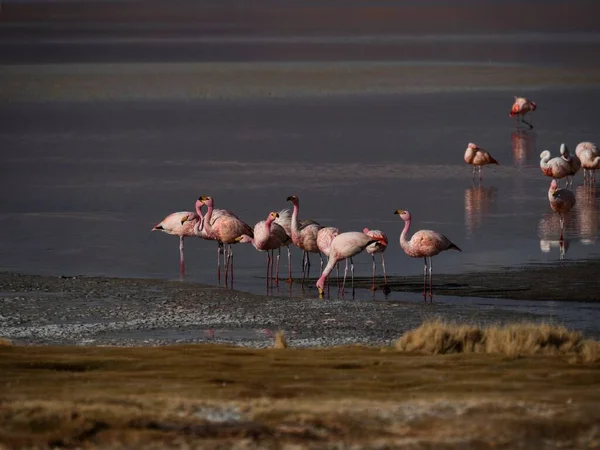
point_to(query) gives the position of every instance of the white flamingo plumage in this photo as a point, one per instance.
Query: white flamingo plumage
(478, 157)
(423, 244)
(172, 225)
(588, 154)
(561, 201)
(379, 246)
(345, 246)
(521, 107)
(572, 159)
(556, 167)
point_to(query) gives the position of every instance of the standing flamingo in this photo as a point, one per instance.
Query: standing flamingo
(423, 244)
(173, 225)
(554, 167)
(573, 160)
(344, 246)
(285, 220)
(561, 201)
(521, 107)
(225, 230)
(478, 157)
(587, 152)
(304, 237)
(325, 237)
(377, 247)
(268, 236)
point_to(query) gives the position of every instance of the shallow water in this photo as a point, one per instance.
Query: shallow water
(85, 182)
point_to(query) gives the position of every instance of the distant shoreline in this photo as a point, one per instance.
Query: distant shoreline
(197, 81)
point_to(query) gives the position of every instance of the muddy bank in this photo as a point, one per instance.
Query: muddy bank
(577, 281)
(99, 311)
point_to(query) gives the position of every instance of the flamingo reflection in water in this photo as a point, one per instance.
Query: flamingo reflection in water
(478, 202)
(587, 214)
(523, 146)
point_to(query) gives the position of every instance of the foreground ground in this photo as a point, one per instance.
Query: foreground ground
(346, 397)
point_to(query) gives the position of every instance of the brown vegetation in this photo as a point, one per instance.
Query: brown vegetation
(280, 341)
(5, 342)
(211, 396)
(512, 340)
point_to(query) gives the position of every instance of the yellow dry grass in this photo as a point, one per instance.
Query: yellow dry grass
(280, 341)
(5, 342)
(512, 340)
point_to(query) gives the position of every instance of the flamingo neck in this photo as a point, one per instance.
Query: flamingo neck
(206, 220)
(404, 243)
(200, 223)
(328, 268)
(295, 219)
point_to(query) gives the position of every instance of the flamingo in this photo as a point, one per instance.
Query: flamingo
(225, 230)
(478, 157)
(285, 220)
(521, 107)
(377, 247)
(268, 236)
(325, 237)
(554, 167)
(573, 160)
(344, 246)
(172, 224)
(423, 244)
(304, 237)
(561, 201)
(587, 152)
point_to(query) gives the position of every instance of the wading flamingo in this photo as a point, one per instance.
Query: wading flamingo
(587, 152)
(325, 237)
(225, 230)
(268, 236)
(573, 160)
(478, 157)
(285, 220)
(377, 247)
(305, 238)
(423, 244)
(521, 107)
(554, 167)
(344, 246)
(561, 201)
(172, 225)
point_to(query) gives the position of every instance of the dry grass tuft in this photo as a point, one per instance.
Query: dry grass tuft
(512, 340)
(5, 342)
(280, 341)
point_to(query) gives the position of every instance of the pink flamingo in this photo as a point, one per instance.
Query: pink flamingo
(587, 152)
(285, 220)
(554, 167)
(573, 160)
(268, 236)
(377, 247)
(478, 157)
(423, 244)
(172, 224)
(325, 237)
(521, 107)
(304, 237)
(345, 246)
(561, 201)
(225, 230)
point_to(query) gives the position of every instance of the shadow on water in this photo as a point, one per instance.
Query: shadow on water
(587, 214)
(524, 147)
(478, 204)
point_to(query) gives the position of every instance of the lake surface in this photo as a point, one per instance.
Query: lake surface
(83, 183)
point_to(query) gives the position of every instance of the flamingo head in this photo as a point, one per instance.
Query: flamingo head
(473, 146)
(366, 230)
(244, 239)
(184, 219)
(545, 154)
(553, 187)
(204, 200)
(533, 106)
(404, 215)
(321, 287)
(564, 150)
(274, 215)
(293, 199)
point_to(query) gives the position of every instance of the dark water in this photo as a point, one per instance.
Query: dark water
(83, 183)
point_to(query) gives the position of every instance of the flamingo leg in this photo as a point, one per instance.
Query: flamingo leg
(430, 280)
(181, 261)
(373, 277)
(231, 262)
(352, 271)
(425, 279)
(271, 273)
(321, 267)
(226, 264)
(474, 173)
(480, 172)
(277, 272)
(562, 224)
(304, 255)
(383, 265)
(344, 281)
(219, 249)
(267, 272)
(525, 122)
(289, 264)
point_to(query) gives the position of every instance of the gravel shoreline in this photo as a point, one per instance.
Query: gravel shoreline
(82, 310)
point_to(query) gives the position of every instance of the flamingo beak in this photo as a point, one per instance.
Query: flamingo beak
(238, 239)
(321, 292)
(184, 219)
(398, 211)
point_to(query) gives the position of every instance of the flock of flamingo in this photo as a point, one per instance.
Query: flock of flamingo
(285, 228)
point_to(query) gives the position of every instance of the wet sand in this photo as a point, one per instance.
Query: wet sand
(99, 311)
